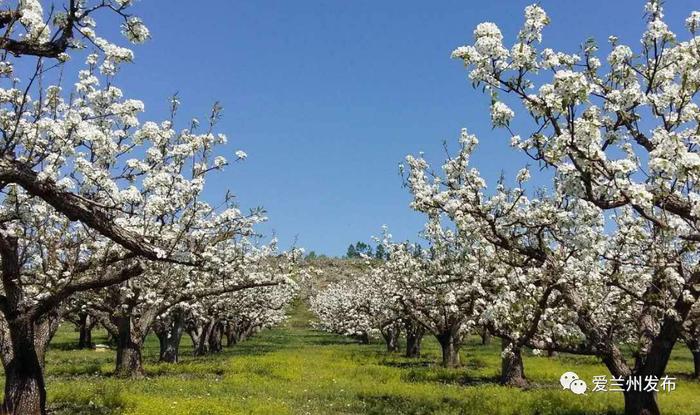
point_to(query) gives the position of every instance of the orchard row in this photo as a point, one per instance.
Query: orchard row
(593, 252)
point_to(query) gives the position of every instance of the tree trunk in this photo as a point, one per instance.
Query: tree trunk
(230, 333)
(248, 332)
(169, 346)
(392, 343)
(230, 339)
(162, 342)
(171, 353)
(391, 335)
(641, 403)
(414, 337)
(201, 340)
(512, 371)
(169, 337)
(694, 346)
(450, 349)
(194, 337)
(129, 345)
(236, 333)
(363, 338)
(85, 341)
(215, 337)
(85, 327)
(25, 392)
(44, 330)
(485, 336)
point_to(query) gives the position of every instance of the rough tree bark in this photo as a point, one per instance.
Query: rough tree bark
(23, 344)
(129, 346)
(391, 335)
(485, 335)
(450, 345)
(231, 332)
(215, 337)
(512, 370)
(25, 392)
(414, 338)
(194, 331)
(641, 403)
(44, 329)
(249, 331)
(200, 334)
(169, 336)
(85, 325)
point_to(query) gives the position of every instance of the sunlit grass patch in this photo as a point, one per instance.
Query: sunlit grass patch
(296, 370)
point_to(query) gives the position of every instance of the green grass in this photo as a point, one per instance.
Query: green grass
(295, 370)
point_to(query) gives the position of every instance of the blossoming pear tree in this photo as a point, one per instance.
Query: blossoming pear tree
(211, 315)
(249, 311)
(621, 145)
(523, 306)
(77, 312)
(442, 289)
(177, 164)
(437, 290)
(85, 186)
(130, 310)
(236, 315)
(382, 283)
(340, 308)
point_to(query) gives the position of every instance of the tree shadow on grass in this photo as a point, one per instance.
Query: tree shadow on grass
(286, 340)
(73, 370)
(393, 404)
(63, 408)
(448, 376)
(66, 346)
(320, 338)
(214, 364)
(185, 371)
(328, 341)
(242, 349)
(408, 364)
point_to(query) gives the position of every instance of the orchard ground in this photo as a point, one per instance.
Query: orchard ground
(294, 369)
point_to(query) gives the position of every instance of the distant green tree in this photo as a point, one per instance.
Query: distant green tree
(380, 252)
(363, 249)
(358, 250)
(311, 255)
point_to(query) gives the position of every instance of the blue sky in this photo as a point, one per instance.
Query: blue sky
(327, 97)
